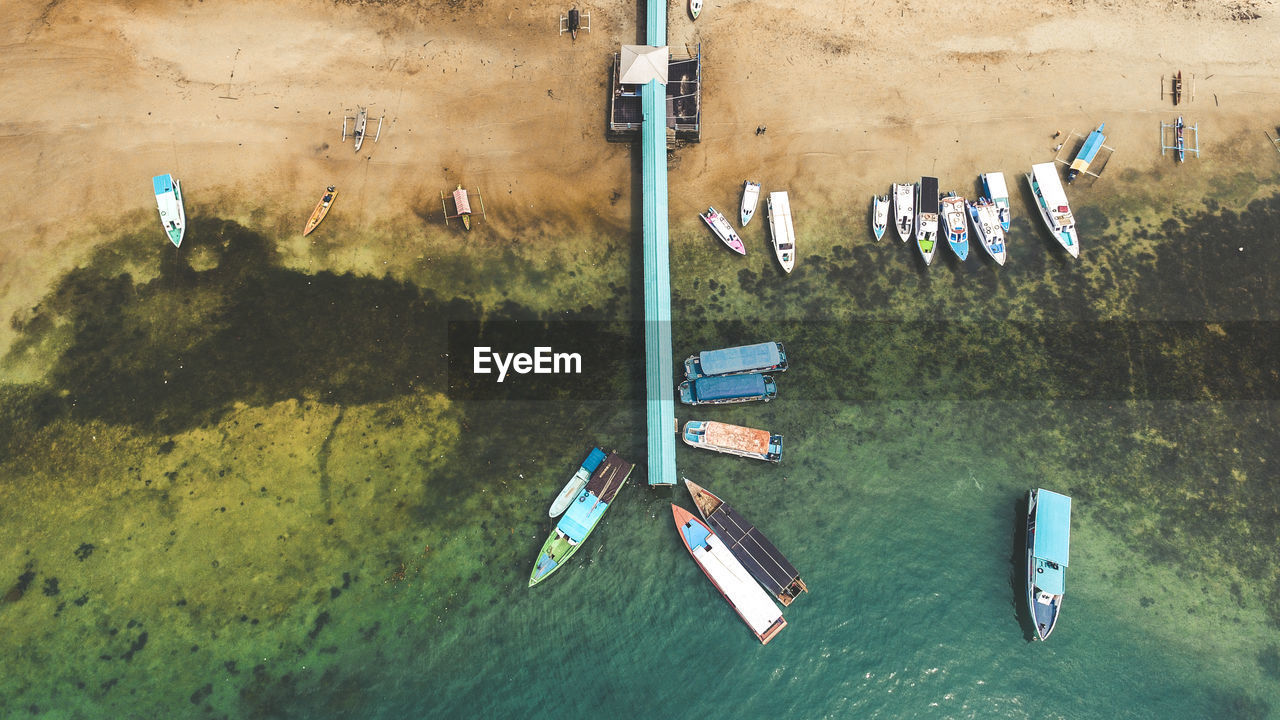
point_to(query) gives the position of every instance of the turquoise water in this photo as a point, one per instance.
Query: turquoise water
(247, 490)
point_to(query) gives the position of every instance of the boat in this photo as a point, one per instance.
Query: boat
(1048, 551)
(1051, 200)
(1177, 88)
(927, 217)
(582, 517)
(956, 221)
(695, 7)
(904, 209)
(362, 119)
(994, 188)
(1181, 146)
(768, 566)
(169, 199)
(322, 209)
(750, 198)
(735, 584)
(719, 225)
(758, 358)
(879, 215)
(1088, 152)
(577, 482)
(575, 22)
(722, 390)
(778, 206)
(733, 440)
(986, 224)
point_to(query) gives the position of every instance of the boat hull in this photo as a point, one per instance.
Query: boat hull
(986, 225)
(1053, 193)
(750, 199)
(879, 215)
(904, 210)
(1047, 558)
(720, 226)
(781, 230)
(173, 217)
(322, 209)
(956, 220)
(994, 188)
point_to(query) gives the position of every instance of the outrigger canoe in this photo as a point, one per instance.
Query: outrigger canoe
(322, 209)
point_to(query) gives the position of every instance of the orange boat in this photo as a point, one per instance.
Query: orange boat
(322, 209)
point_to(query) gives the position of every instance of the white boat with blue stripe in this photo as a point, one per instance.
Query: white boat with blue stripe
(169, 200)
(1048, 552)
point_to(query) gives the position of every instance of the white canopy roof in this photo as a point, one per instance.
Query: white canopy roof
(641, 63)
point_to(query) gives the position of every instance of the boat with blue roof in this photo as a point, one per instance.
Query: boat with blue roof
(733, 440)
(1048, 553)
(577, 482)
(582, 517)
(759, 556)
(758, 358)
(721, 390)
(1088, 152)
(735, 584)
(173, 217)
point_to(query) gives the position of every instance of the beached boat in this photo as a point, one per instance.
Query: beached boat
(750, 198)
(1088, 152)
(719, 225)
(733, 440)
(169, 199)
(986, 224)
(927, 217)
(1051, 200)
(695, 8)
(362, 120)
(758, 358)
(722, 390)
(743, 594)
(778, 207)
(582, 517)
(322, 209)
(904, 209)
(577, 482)
(956, 221)
(879, 215)
(994, 188)
(768, 566)
(1048, 550)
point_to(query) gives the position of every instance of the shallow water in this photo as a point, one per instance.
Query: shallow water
(250, 488)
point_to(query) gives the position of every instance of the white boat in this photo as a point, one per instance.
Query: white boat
(986, 224)
(993, 187)
(1051, 199)
(695, 8)
(750, 198)
(927, 218)
(778, 206)
(169, 199)
(733, 440)
(904, 209)
(719, 225)
(956, 222)
(577, 482)
(879, 215)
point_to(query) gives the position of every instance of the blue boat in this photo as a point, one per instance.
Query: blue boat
(169, 200)
(758, 358)
(956, 221)
(1048, 551)
(1088, 152)
(577, 482)
(728, 389)
(582, 517)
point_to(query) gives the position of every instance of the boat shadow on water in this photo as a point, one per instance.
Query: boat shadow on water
(1018, 570)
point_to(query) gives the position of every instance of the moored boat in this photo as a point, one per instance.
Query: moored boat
(735, 584)
(750, 198)
(778, 207)
(904, 209)
(879, 215)
(1048, 551)
(759, 556)
(1088, 152)
(986, 224)
(956, 221)
(994, 188)
(721, 390)
(1051, 200)
(169, 200)
(695, 8)
(927, 218)
(733, 440)
(758, 358)
(322, 209)
(582, 517)
(577, 482)
(719, 225)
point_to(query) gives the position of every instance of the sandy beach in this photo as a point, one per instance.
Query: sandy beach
(244, 103)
